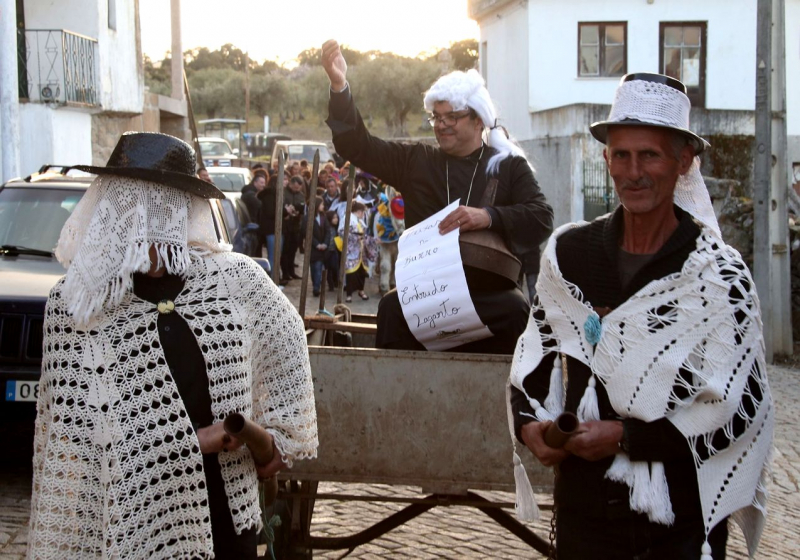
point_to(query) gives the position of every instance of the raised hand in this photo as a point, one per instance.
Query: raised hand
(334, 64)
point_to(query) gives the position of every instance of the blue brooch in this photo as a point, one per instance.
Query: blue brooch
(593, 329)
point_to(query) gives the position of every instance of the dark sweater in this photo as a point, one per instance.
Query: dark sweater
(588, 257)
(322, 235)
(250, 199)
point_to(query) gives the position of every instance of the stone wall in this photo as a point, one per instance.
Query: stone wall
(106, 130)
(176, 126)
(734, 209)
(731, 157)
(734, 212)
(557, 162)
(108, 127)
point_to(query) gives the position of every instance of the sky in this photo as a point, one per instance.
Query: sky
(280, 30)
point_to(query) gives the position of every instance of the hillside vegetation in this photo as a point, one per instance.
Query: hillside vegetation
(388, 88)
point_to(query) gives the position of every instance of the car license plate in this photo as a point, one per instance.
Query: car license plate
(22, 390)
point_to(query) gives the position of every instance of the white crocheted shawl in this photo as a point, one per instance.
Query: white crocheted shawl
(704, 320)
(117, 468)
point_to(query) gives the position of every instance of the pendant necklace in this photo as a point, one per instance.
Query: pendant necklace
(447, 176)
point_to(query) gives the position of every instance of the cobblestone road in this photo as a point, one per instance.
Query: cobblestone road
(460, 532)
(451, 532)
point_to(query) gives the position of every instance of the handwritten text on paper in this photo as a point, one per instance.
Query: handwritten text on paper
(432, 287)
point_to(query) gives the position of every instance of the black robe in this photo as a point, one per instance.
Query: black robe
(520, 214)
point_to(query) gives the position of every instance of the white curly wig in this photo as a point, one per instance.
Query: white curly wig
(468, 90)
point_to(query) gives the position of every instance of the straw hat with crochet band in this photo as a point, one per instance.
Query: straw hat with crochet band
(644, 99)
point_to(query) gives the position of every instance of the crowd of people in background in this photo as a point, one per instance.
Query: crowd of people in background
(375, 229)
(376, 223)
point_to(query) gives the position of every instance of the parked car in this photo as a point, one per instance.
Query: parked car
(301, 149)
(216, 152)
(230, 180)
(260, 144)
(242, 229)
(32, 213)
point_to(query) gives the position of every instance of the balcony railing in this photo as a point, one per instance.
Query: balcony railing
(57, 66)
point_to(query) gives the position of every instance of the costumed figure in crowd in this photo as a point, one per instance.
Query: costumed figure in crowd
(389, 226)
(156, 334)
(473, 153)
(658, 323)
(366, 189)
(361, 253)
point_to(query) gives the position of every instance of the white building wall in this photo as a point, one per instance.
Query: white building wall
(730, 62)
(72, 137)
(505, 33)
(121, 82)
(58, 136)
(78, 16)
(36, 137)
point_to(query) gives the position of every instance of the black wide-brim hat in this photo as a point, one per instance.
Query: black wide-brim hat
(159, 158)
(657, 106)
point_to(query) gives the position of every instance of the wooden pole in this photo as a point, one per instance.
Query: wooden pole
(276, 273)
(246, 95)
(346, 233)
(192, 123)
(311, 216)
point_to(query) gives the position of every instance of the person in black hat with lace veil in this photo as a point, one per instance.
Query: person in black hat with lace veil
(658, 323)
(155, 335)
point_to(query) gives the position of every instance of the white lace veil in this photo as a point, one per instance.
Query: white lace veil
(108, 236)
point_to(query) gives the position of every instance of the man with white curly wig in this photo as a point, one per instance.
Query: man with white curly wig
(474, 152)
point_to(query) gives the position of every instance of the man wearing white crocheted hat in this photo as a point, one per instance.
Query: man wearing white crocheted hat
(156, 334)
(658, 323)
(474, 153)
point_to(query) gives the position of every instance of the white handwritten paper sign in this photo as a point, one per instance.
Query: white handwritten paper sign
(432, 286)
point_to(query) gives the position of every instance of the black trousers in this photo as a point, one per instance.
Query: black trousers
(634, 537)
(332, 268)
(290, 245)
(502, 308)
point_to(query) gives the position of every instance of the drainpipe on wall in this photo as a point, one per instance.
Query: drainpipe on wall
(9, 92)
